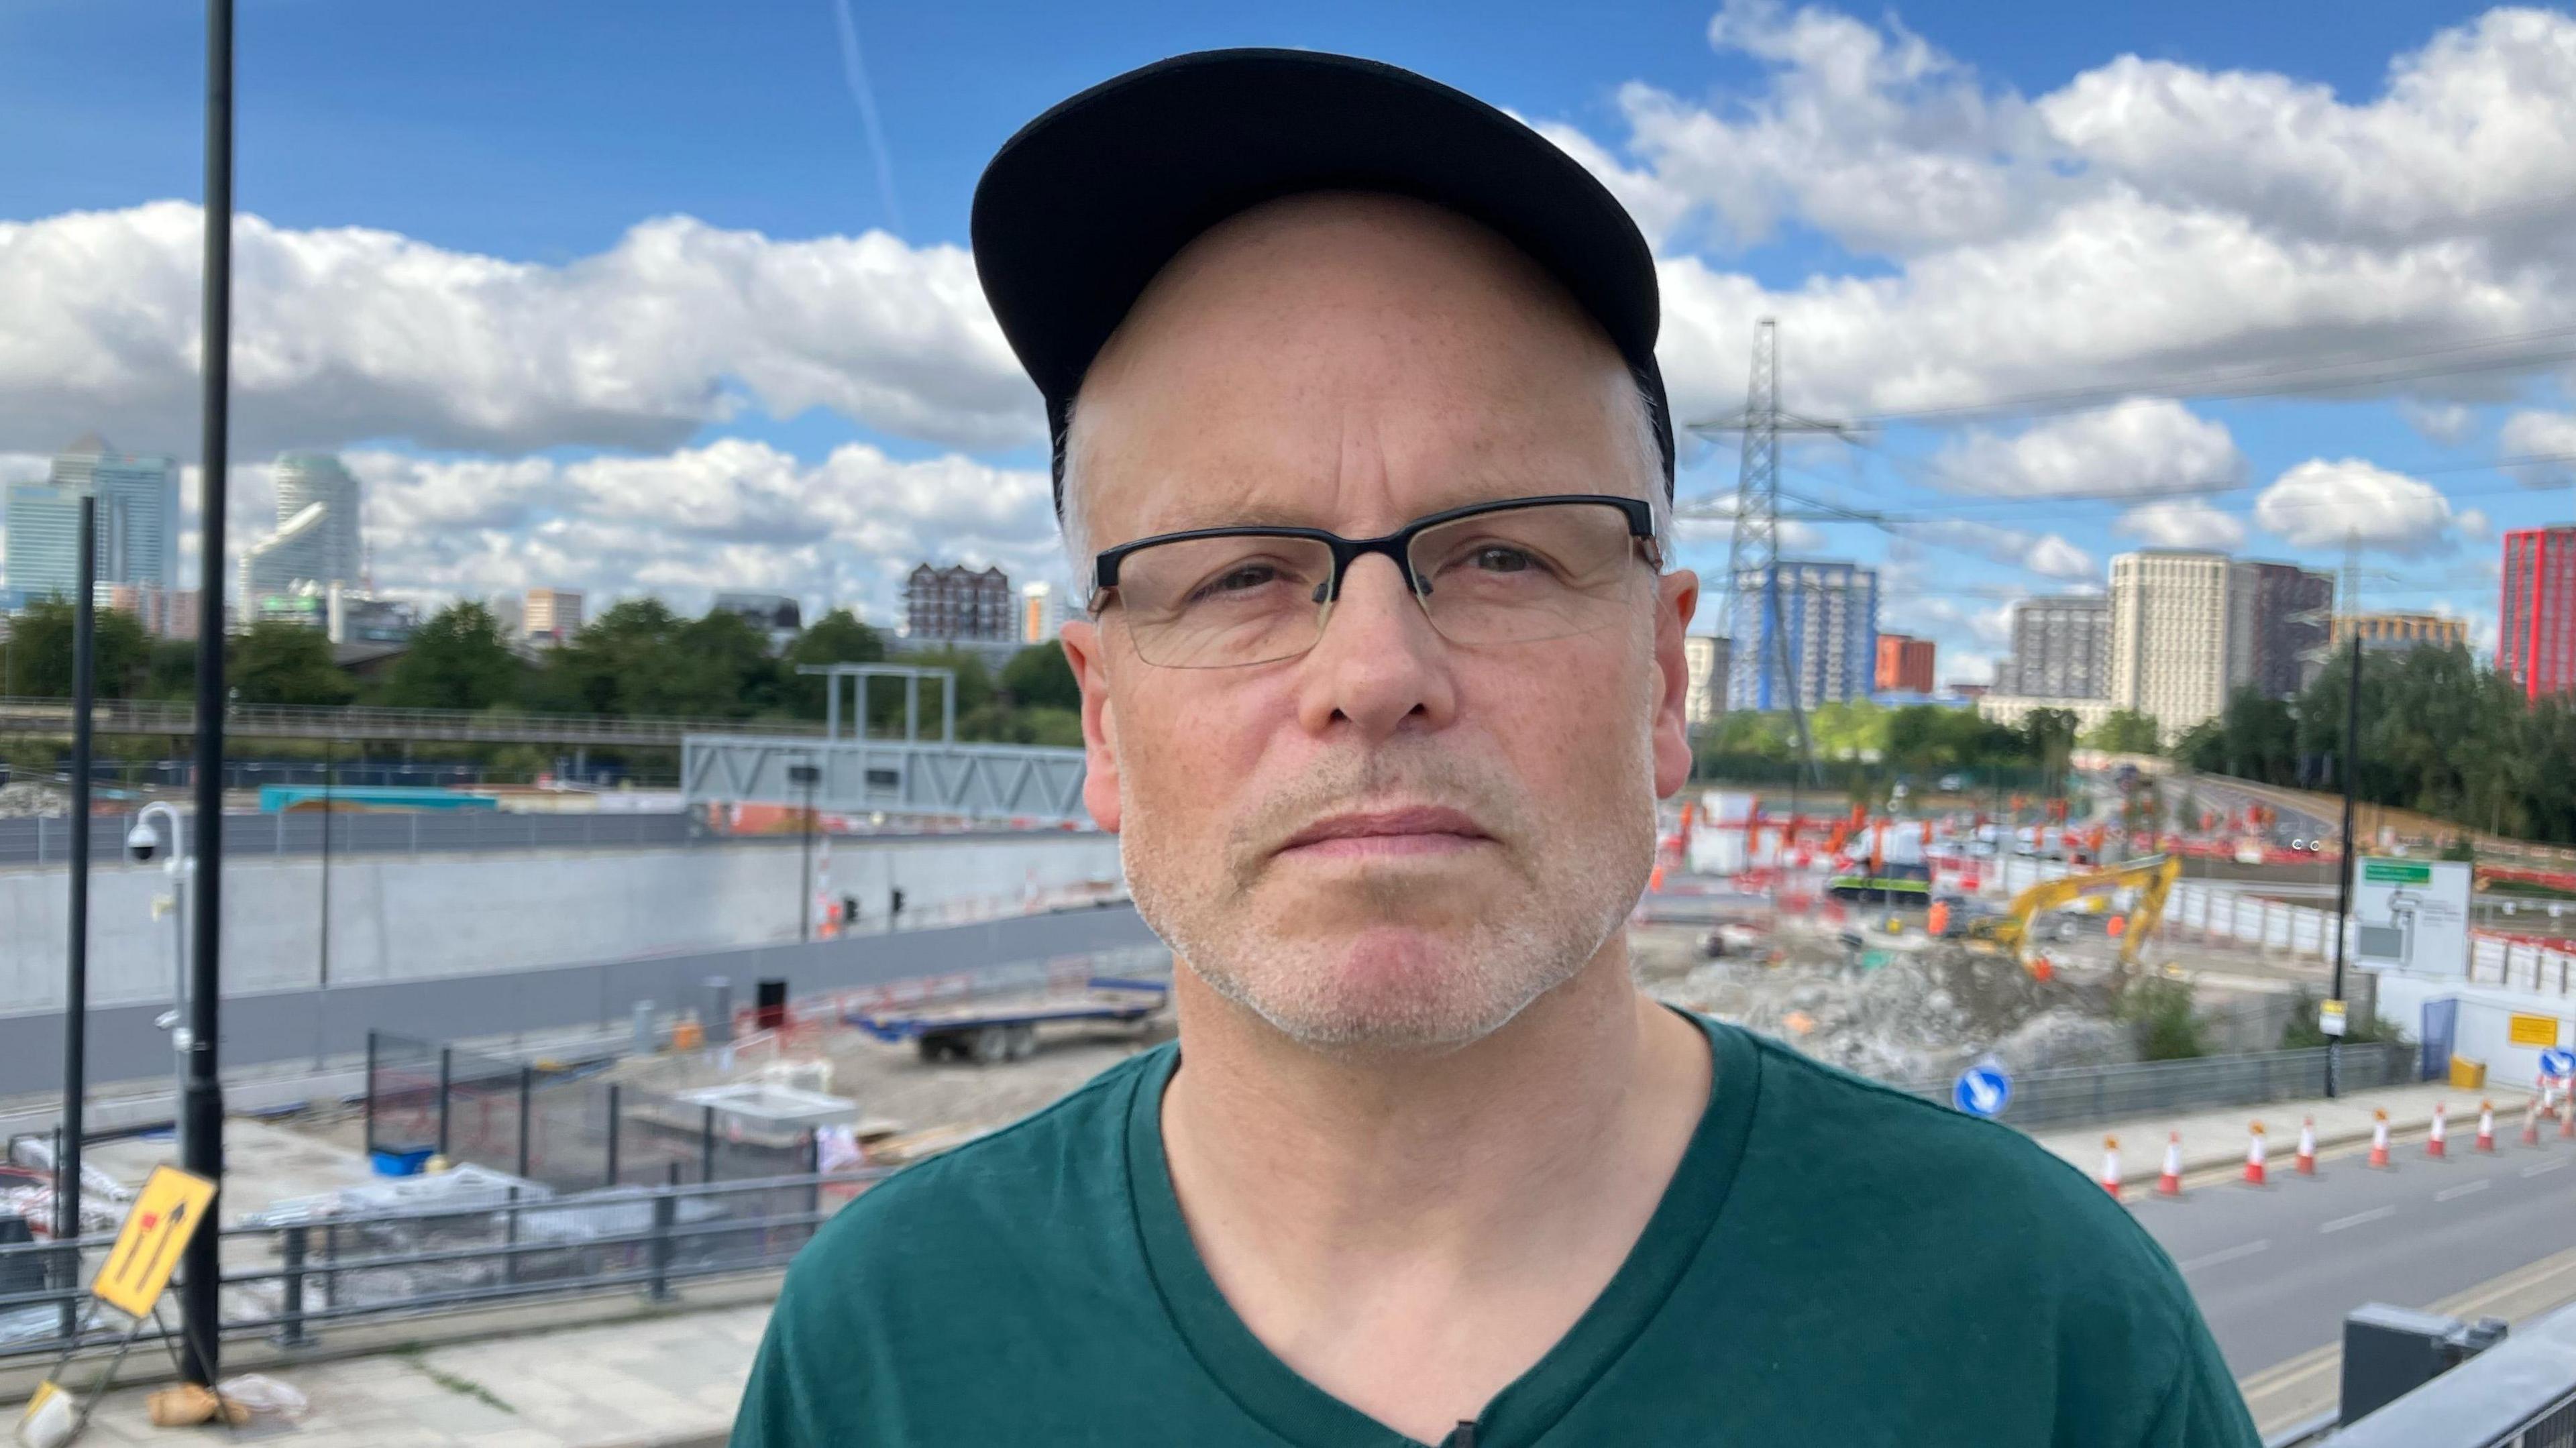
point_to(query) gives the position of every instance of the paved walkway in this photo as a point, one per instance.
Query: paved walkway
(2217, 1138)
(663, 1382)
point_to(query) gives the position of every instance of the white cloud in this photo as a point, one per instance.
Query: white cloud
(2181, 523)
(2046, 554)
(2547, 437)
(732, 514)
(2447, 423)
(348, 334)
(2141, 446)
(2321, 504)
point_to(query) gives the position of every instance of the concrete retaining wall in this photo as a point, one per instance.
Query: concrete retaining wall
(396, 919)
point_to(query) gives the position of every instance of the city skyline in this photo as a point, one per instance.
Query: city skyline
(623, 365)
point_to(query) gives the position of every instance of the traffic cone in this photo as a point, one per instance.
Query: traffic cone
(2111, 1166)
(2567, 1117)
(2486, 1127)
(2531, 1121)
(2437, 1144)
(2254, 1156)
(2169, 1181)
(2307, 1159)
(2379, 1140)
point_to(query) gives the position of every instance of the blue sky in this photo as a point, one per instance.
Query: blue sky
(1950, 204)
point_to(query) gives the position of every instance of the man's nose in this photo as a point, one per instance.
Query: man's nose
(1380, 665)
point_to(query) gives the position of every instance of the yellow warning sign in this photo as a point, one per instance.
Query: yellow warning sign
(2524, 1030)
(157, 1227)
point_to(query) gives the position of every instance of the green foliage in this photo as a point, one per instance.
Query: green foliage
(458, 659)
(2159, 1011)
(1040, 677)
(171, 673)
(2441, 733)
(2124, 731)
(836, 638)
(36, 662)
(286, 663)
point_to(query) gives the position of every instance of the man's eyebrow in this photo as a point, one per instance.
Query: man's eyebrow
(1271, 514)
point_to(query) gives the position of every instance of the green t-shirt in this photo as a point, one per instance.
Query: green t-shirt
(1833, 1262)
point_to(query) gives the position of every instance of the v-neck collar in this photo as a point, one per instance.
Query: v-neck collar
(1523, 1412)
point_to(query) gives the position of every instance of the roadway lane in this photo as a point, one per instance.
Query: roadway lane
(2275, 1269)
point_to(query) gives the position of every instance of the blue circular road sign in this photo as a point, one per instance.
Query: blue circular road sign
(1982, 1090)
(2558, 1061)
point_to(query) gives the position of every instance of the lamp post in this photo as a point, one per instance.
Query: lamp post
(67, 1223)
(143, 843)
(805, 775)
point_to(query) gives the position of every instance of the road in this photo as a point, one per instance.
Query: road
(2275, 1269)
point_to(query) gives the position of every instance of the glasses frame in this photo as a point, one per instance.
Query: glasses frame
(1396, 546)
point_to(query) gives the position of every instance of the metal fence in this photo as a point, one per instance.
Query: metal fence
(288, 1279)
(559, 1125)
(42, 841)
(2074, 1095)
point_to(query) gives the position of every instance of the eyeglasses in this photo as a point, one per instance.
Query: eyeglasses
(1518, 570)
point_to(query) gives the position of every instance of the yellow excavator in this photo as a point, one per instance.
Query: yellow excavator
(2152, 876)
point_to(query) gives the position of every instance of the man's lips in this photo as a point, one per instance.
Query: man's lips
(1425, 829)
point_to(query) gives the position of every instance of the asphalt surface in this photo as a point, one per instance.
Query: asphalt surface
(2276, 1268)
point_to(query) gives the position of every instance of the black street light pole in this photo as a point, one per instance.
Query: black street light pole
(2343, 888)
(807, 775)
(202, 1094)
(67, 1195)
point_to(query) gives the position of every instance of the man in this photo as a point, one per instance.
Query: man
(1362, 451)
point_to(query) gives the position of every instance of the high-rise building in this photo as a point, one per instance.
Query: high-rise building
(2536, 626)
(138, 521)
(2182, 634)
(318, 539)
(1704, 660)
(959, 605)
(2293, 611)
(2061, 648)
(1041, 613)
(550, 613)
(777, 617)
(1829, 622)
(1904, 664)
(2397, 633)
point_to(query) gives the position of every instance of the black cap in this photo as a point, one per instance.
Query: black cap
(1079, 211)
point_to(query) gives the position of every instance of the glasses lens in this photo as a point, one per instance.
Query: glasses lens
(1212, 603)
(1519, 575)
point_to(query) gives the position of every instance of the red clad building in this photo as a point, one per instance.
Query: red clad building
(1904, 664)
(2536, 624)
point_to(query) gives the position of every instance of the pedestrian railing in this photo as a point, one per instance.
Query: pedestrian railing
(2075, 1095)
(290, 1280)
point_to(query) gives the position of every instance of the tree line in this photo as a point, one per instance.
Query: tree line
(2442, 733)
(637, 659)
(1859, 746)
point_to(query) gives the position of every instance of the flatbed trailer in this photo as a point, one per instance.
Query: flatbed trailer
(1006, 1028)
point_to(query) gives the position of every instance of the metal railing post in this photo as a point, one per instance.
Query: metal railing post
(446, 1070)
(330, 1264)
(370, 1091)
(290, 1330)
(510, 1240)
(706, 1143)
(813, 1182)
(527, 1093)
(612, 1133)
(665, 1213)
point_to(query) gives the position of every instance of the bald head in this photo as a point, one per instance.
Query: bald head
(1347, 361)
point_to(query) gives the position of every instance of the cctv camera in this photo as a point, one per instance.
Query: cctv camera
(141, 843)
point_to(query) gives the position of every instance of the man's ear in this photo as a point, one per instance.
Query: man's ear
(1083, 649)
(1676, 599)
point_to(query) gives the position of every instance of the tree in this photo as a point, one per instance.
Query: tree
(38, 655)
(171, 672)
(1040, 677)
(641, 659)
(457, 660)
(275, 662)
(2048, 742)
(836, 638)
(2124, 731)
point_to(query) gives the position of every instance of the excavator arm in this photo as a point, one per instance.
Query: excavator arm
(2153, 877)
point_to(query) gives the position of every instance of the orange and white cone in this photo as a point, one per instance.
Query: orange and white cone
(2379, 1140)
(2486, 1127)
(2254, 1156)
(2111, 1166)
(2307, 1159)
(2567, 1116)
(2531, 1121)
(2438, 1143)
(2169, 1181)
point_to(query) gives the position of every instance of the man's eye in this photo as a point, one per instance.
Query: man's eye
(1241, 579)
(1495, 558)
